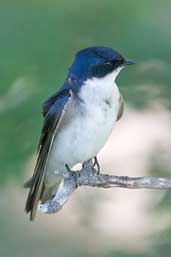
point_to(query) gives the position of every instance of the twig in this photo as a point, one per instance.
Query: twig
(88, 176)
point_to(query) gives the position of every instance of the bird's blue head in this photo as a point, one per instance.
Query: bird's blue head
(96, 62)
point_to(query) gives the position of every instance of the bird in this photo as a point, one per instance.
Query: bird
(78, 119)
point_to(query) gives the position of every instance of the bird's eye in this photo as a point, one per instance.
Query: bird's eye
(119, 60)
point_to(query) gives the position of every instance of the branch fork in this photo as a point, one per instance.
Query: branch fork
(88, 176)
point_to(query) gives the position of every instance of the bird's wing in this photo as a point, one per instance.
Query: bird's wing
(121, 108)
(54, 109)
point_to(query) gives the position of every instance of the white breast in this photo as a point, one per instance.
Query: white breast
(101, 103)
(89, 129)
(101, 95)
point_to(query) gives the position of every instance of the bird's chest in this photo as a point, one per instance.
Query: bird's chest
(100, 103)
(91, 119)
(99, 109)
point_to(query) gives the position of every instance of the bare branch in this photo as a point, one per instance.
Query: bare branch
(88, 176)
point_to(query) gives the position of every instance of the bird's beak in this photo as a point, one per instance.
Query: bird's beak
(128, 62)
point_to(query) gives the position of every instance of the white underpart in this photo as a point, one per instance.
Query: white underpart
(89, 128)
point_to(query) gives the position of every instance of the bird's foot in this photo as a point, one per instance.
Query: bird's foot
(90, 166)
(68, 168)
(96, 164)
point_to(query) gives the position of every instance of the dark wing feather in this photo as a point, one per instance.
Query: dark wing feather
(57, 106)
(52, 99)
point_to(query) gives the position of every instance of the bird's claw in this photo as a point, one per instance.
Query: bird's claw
(68, 168)
(96, 163)
(90, 165)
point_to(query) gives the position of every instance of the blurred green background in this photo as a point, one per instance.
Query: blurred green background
(38, 40)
